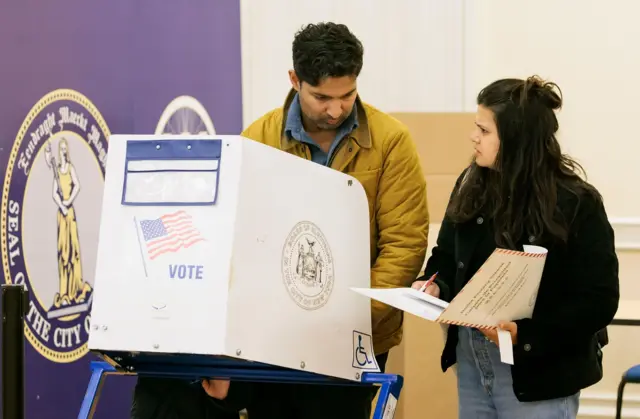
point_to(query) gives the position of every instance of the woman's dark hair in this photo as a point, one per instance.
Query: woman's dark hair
(520, 193)
(326, 50)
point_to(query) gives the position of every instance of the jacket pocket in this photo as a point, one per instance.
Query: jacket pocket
(369, 180)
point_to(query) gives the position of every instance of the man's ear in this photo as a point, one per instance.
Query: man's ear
(295, 81)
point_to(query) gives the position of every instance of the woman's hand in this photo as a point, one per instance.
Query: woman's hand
(432, 289)
(492, 334)
(218, 389)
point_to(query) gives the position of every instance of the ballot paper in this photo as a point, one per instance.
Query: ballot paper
(506, 346)
(407, 299)
(505, 288)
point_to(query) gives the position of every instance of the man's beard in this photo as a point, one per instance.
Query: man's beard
(325, 125)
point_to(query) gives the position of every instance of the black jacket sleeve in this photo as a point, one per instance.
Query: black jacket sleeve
(442, 259)
(591, 295)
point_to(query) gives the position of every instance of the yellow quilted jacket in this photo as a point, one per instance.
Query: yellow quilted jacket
(381, 154)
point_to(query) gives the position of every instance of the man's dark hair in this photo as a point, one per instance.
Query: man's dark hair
(326, 50)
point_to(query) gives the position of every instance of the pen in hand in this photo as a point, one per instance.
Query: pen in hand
(426, 284)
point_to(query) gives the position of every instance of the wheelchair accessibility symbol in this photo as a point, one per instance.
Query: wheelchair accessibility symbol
(363, 355)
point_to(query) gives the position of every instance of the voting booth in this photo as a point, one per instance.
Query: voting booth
(222, 257)
(225, 246)
(219, 256)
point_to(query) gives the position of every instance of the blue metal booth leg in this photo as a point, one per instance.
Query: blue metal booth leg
(99, 370)
(390, 384)
(388, 394)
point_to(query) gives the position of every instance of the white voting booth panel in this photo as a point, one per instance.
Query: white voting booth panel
(224, 246)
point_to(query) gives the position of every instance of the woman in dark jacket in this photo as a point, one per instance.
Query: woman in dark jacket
(520, 189)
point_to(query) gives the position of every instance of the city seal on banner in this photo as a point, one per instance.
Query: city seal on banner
(51, 204)
(307, 266)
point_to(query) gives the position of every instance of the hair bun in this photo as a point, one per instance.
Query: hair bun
(544, 91)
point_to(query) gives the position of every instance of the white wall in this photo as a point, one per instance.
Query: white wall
(435, 55)
(413, 51)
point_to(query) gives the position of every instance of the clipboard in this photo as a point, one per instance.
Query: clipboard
(171, 172)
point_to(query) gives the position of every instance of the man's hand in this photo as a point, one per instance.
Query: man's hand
(218, 389)
(432, 289)
(492, 334)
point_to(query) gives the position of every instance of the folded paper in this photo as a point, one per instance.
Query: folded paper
(505, 288)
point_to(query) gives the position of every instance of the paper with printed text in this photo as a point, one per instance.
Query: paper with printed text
(505, 288)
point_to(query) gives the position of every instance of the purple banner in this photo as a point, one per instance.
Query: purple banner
(72, 73)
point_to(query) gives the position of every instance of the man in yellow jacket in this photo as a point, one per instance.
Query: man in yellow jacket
(324, 120)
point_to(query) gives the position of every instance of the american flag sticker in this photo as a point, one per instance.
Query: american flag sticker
(168, 234)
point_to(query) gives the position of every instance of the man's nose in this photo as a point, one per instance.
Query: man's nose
(334, 110)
